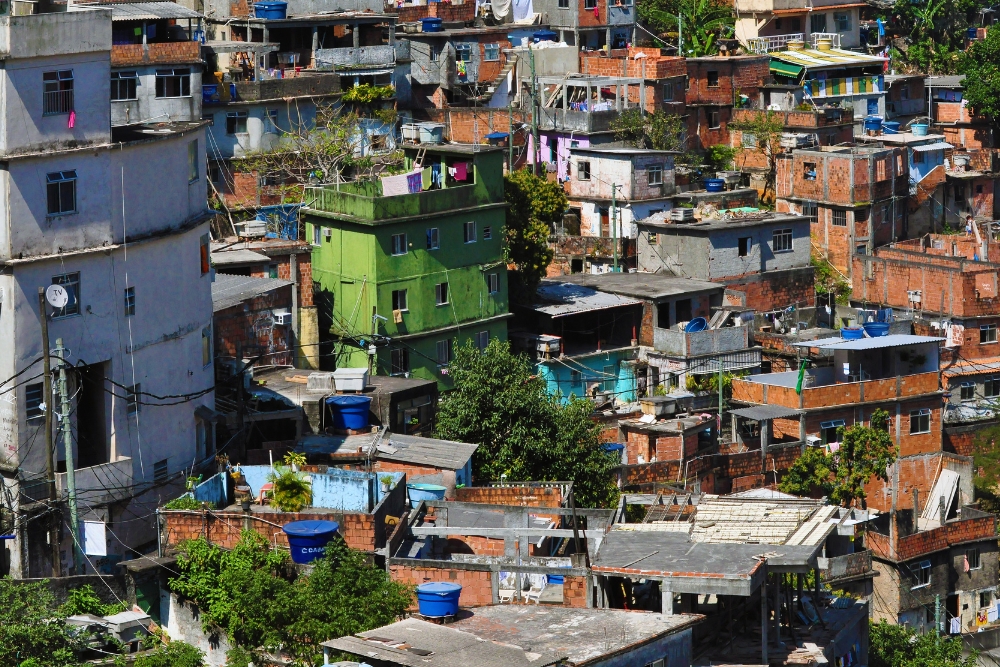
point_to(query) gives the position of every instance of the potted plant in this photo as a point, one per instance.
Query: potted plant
(222, 461)
(295, 460)
(386, 481)
(244, 496)
(291, 491)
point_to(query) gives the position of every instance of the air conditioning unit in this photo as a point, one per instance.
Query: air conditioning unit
(251, 228)
(327, 233)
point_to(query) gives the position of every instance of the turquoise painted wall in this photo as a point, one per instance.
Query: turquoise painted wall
(574, 375)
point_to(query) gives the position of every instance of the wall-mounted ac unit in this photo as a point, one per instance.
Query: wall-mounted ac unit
(282, 316)
(327, 233)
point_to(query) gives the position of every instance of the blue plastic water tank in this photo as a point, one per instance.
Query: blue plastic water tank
(873, 123)
(308, 539)
(209, 93)
(543, 36)
(919, 129)
(431, 24)
(877, 329)
(852, 333)
(418, 492)
(270, 9)
(438, 599)
(696, 325)
(890, 127)
(350, 411)
(714, 185)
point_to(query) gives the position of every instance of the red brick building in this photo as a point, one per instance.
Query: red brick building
(854, 194)
(252, 319)
(828, 126)
(665, 76)
(713, 88)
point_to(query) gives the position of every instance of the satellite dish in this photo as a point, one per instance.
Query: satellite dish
(57, 296)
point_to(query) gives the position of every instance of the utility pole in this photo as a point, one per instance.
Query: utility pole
(67, 433)
(680, 36)
(719, 426)
(50, 446)
(937, 614)
(535, 110)
(614, 225)
(510, 138)
(372, 367)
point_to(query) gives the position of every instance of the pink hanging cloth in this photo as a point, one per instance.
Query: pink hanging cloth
(72, 119)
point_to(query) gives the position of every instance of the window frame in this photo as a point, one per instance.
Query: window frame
(235, 120)
(129, 305)
(58, 92)
(61, 180)
(481, 339)
(809, 171)
(181, 74)
(589, 4)
(488, 233)
(709, 78)
(399, 245)
(161, 471)
(448, 347)
(838, 214)
(469, 232)
(977, 558)
(987, 334)
(835, 425)
(133, 404)
(918, 419)
(654, 174)
(34, 399)
(399, 298)
(194, 168)
(492, 283)
(399, 361)
(783, 237)
(715, 114)
(842, 21)
(817, 23)
(744, 246)
(130, 78)
(441, 294)
(583, 170)
(921, 571)
(433, 238)
(991, 388)
(967, 391)
(495, 48)
(72, 307)
(463, 48)
(317, 235)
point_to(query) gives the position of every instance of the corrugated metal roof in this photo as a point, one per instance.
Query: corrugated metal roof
(814, 58)
(227, 291)
(761, 412)
(893, 340)
(559, 299)
(936, 146)
(150, 11)
(445, 454)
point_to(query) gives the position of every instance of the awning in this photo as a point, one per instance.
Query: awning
(149, 11)
(207, 414)
(785, 69)
(936, 146)
(764, 412)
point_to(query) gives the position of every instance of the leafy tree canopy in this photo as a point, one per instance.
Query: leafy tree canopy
(702, 21)
(899, 646)
(865, 453)
(981, 66)
(658, 130)
(523, 433)
(252, 595)
(534, 205)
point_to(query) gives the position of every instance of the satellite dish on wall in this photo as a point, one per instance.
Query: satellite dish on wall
(57, 296)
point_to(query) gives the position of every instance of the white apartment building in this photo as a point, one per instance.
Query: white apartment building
(119, 219)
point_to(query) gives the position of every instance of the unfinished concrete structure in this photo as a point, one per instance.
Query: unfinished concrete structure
(739, 561)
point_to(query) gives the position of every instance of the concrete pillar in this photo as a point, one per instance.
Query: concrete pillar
(777, 608)
(763, 618)
(765, 425)
(356, 35)
(315, 43)
(667, 598)
(607, 37)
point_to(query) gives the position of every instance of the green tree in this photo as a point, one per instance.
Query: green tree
(534, 206)
(31, 627)
(830, 281)
(523, 433)
(865, 453)
(899, 646)
(761, 133)
(986, 466)
(704, 21)
(658, 130)
(84, 600)
(251, 593)
(981, 66)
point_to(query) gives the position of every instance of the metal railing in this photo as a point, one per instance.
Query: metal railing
(773, 43)
(834, 38)
(57, 101)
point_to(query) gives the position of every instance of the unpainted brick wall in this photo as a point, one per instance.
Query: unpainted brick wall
(517, 496)
(236, 329)
(125, 55)
(224, 528)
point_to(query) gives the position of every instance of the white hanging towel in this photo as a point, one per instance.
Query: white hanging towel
(522, 9)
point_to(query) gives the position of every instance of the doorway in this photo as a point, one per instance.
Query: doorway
(91, 416)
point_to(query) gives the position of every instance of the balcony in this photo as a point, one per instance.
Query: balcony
(710, 341)
(797, 119)
(304, 84)
(771, 43)
(156, 53)
(577, 121)
(101, 484)
(382, 55)
(842, 568)
(365, 201)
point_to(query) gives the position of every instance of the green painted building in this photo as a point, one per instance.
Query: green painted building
(427, 262)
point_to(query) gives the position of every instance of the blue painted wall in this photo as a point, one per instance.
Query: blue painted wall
(674, 649)
(213, 490)
(918, 171)
(572, 375)
(345, 490)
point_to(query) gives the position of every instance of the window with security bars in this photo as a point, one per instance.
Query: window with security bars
(840, 218)
(400, 360)
(124, 86)
(781, 240)
(160, 471)
(34, 401)
(57, 97)
(967, 391)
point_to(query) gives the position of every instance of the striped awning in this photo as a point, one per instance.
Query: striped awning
(785, 69)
